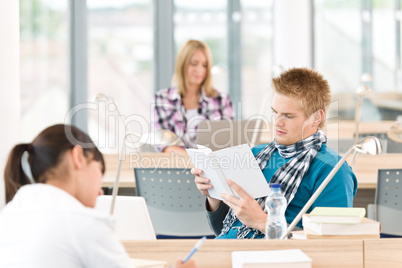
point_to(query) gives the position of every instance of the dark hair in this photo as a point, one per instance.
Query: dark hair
(45, 153)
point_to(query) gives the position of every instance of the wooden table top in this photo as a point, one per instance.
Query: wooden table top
(217, 253)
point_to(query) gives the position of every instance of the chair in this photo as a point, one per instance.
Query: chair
(387, 208)
(132, 217)
(175, 205)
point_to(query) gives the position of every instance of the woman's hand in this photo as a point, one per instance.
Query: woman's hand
(188, 264)
(175, 149)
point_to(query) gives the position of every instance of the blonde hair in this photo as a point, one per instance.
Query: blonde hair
(183, 61)
(308, 86)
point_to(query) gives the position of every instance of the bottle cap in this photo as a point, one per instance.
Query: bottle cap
(275, 185)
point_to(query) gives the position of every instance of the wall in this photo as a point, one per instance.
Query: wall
(9, 83)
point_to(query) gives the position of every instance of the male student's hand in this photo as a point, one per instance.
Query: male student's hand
(203, 184)
(246, 208)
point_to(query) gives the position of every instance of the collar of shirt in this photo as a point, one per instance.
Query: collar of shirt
(176, 98)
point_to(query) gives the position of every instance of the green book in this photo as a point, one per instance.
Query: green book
(337, 215)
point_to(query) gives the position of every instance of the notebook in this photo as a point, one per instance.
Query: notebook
(132, 218)
(144, 263)
(222, 134)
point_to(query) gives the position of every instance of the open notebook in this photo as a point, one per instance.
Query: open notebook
(132, 217)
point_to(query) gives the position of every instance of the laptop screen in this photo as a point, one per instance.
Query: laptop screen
(222, 134)
(132, 218)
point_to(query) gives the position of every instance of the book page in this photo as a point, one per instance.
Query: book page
(239, 165)
(203, 159)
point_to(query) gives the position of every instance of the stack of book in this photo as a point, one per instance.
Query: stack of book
(341, 223)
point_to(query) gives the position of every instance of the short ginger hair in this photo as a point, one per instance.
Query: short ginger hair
(308, 86)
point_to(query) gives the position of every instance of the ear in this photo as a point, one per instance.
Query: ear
(77, 156)
(317, 117)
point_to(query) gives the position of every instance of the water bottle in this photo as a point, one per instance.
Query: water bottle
(275, 204)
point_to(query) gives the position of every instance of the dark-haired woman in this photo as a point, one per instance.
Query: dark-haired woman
(49, 220)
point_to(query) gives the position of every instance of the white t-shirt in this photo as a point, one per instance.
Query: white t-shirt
(193, 120)
(44, 226)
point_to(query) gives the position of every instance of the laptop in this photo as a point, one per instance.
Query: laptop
(222, 134)
(132, 218)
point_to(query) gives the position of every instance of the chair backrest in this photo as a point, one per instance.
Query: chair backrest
(132, 218)
(175, 205)
(388, 201)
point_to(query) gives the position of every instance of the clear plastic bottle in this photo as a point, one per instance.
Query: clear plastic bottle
(275, 204)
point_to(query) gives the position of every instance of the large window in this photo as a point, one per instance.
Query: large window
(338, 41)
(44, 65)
(356, 37)
(205, 21)
(120, 55)
(384, 46)
(256, 72)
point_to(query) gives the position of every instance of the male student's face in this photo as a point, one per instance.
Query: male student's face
(289, 120)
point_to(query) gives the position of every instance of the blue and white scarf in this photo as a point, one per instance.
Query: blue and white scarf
(288, 175)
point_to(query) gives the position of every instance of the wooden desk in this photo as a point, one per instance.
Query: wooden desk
(345, 129)
(338, 129)
(388, 100)
(148, 160)
(385, 252)
(217, 253)
(366, 166)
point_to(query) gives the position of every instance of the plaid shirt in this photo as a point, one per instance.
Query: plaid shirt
(169, 113)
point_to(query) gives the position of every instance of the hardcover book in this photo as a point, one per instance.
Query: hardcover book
(312, 235)
(337, 215)
(365, 227)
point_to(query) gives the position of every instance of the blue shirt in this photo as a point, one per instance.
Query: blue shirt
(339, 192)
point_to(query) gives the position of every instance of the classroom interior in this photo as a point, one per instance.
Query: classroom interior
(97, 64)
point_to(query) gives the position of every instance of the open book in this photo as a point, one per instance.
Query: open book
(235, 163)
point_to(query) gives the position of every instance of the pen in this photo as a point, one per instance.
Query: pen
(195, 248)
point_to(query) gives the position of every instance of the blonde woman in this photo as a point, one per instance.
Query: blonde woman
(192, 98)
